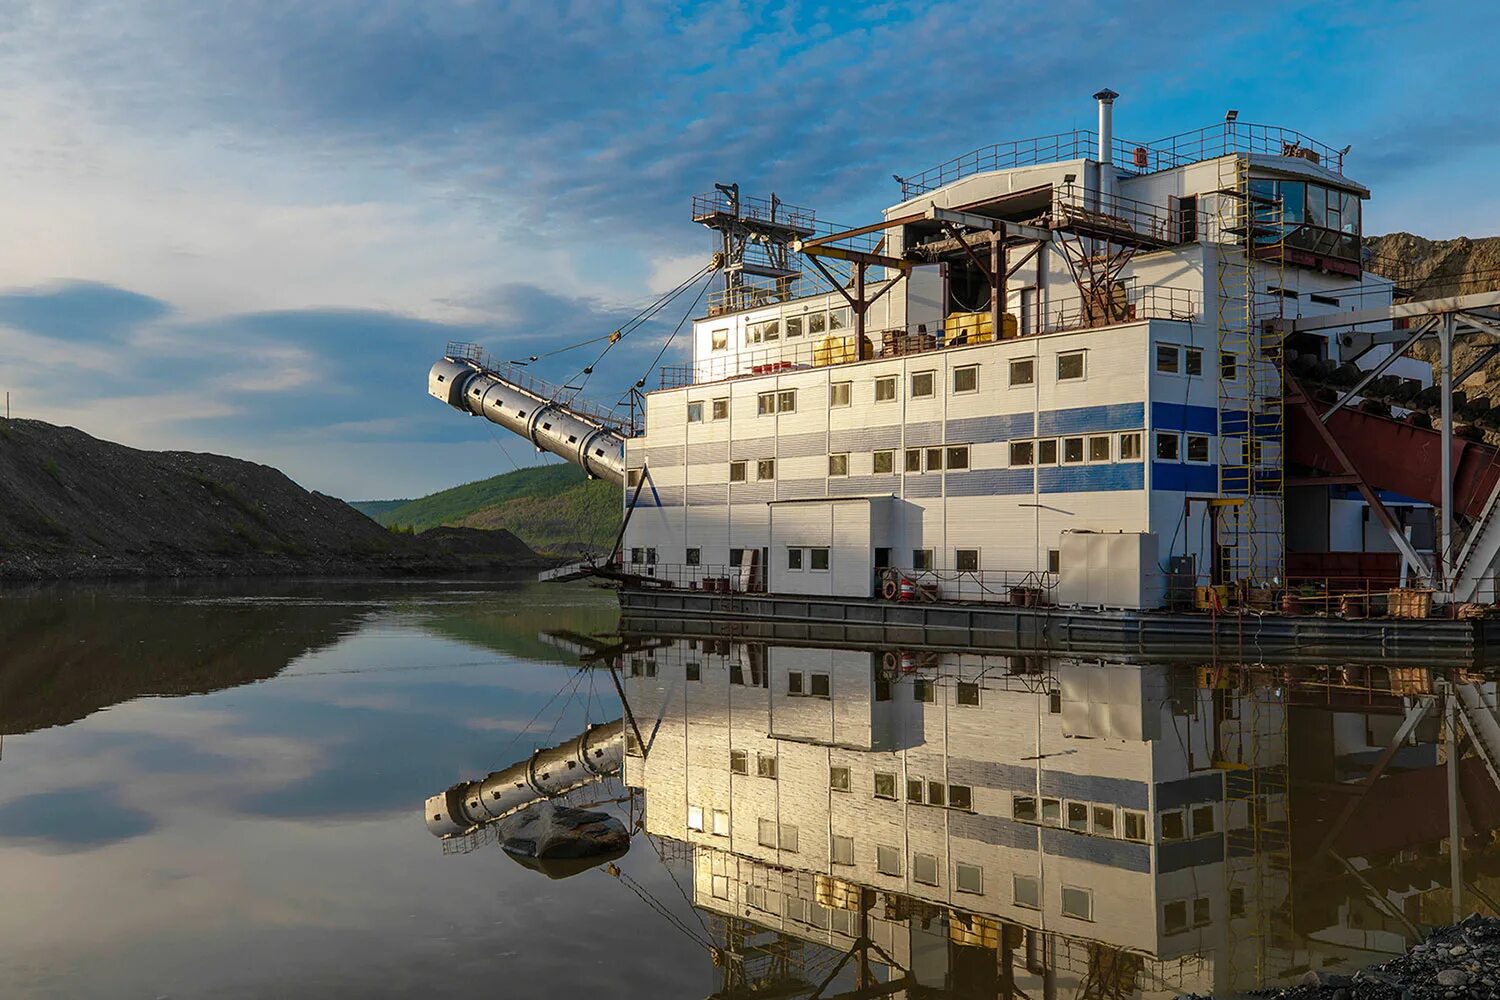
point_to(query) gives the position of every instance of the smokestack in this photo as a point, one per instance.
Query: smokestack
(1106, 99)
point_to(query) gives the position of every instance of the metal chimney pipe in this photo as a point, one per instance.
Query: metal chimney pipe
(1106, 99)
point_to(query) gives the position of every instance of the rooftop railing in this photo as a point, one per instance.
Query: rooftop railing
(1140, 158)
(1126, 303)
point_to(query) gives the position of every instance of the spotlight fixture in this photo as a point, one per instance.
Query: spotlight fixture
(1231, 115)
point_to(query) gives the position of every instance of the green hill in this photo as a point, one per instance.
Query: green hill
(553, 508)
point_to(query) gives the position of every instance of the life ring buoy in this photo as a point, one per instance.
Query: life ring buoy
(888, 589)
(890, 661)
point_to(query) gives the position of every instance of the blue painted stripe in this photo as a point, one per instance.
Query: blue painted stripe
(924, 432)
(1182, 478)
(922, 486)
(1232, 422)
(984, 430)
(1081, 419)
(1097, 788)
(1184, 417)
(989, 482)
(1091, 478)
(1122, 854)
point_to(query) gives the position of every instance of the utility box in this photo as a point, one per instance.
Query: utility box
(1110, 570)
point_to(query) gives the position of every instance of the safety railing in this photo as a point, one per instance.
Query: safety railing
(720, 578)
(1117, 218)
(772, 211)
(1141, 158)
(565, 396)
(1020, 588)
(1123, 303)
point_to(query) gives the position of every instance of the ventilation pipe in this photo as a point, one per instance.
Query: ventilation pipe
(1106, 99)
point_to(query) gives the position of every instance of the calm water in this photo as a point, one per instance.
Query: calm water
(218, 791)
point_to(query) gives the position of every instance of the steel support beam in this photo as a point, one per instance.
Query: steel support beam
(1455, 837)
(1478, 363)
(853, 256)
(1446, 553)
(1012, 230)
(1405, 310)
(802, 246)
(1379, 369)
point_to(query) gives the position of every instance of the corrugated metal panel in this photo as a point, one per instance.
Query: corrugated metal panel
(802, 445)
(1082, 419)
(878, 438)
(923, 433)
(1001, 427)
(800, 489)
(668, 455)
(1093, 478)
(846, 486)
(751, 448)
(994, 830)
(922, 486)
(707, 452)
(752, 492)
(989, 482)
(1181, 417)
(1121, 854)
(699, 494)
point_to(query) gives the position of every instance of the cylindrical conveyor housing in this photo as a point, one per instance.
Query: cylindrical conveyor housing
(554, 427)
(597, 752)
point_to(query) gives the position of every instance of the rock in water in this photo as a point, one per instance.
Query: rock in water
(549, 832)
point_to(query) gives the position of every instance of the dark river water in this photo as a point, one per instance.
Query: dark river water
(218, 790)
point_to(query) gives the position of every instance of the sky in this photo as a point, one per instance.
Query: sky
(250, 228)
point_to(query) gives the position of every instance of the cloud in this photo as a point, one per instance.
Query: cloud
(53, 820)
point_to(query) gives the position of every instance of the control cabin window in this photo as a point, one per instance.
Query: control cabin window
(1197, 448)
(1168, 357)
(922, 385)
(883, 462)
(1099, 449)
(718, 340)
(1167, 446)
(1023, 452)
(838, 465)
(958, 457)
(765, 469)
(885, 389)
(1023, 371)
(966, 379)
(1130, 446)
(921, 559)
(721, 409)
(736, 472)
(839, 393)
(818, 560)
(966, 560)
(695, 413)
(914, 460)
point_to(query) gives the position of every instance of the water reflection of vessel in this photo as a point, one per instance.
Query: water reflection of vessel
(1030, 826)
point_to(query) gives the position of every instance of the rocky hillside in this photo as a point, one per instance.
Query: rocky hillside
(74, 506)
(1432, 268)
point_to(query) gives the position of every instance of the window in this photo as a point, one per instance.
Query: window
(1166, 446)
(1173, 825)
(793, 326)
(1070, 366)
(736, 472)
(637, 555)
(839, 779)
(694, 557)
(921, 385)
(786, 401)
(1130, 446)
(838, 318)
(1027, 891)
(819, 560)
(1228, 367)
(1052, 812)
(937, 793)
(1054, 560)
(882, 689)
(1077, 902)
(650, 555)
(969, 878)
(794, 559)
(1197, 447)
(838, 465)
(960, 797)
(765, 468)
(1104, 821)
(1194, 360)
(765, 403)
(1099, 448)
(818, 684)
(966, 560)
(1023, 371)
(924, 869)
(721, 823)
(1168, 358)
(718, 340)
(839, 393)
(1203, 820)
(695, 413)
(887, 860)
(739, 762)
(958, 457)
(1237, 902)
(921, 559)
(695, 818)
(914, 460)
(1202, 912)
(1022, 452)
(966, 379)
(817, 322)
(1023, 809)
(633, 478)
(842, 850)
(719, 886)
(923, 689)
(693, 671)
(721, 409)
(794, 682)
(1135, 825)
(1046, 452)
(885, 786)
(885, 389)
(1174, 917)
(883, 462)
(767, 833)
(765, 767)
(934, 460)
(1072, 450)
(1078, 816)
(789, 838)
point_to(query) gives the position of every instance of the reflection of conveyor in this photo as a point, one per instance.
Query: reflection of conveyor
(598, 752)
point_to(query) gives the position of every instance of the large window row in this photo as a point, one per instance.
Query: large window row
(1100, 819)
(1075, 901)
(1077, 449)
